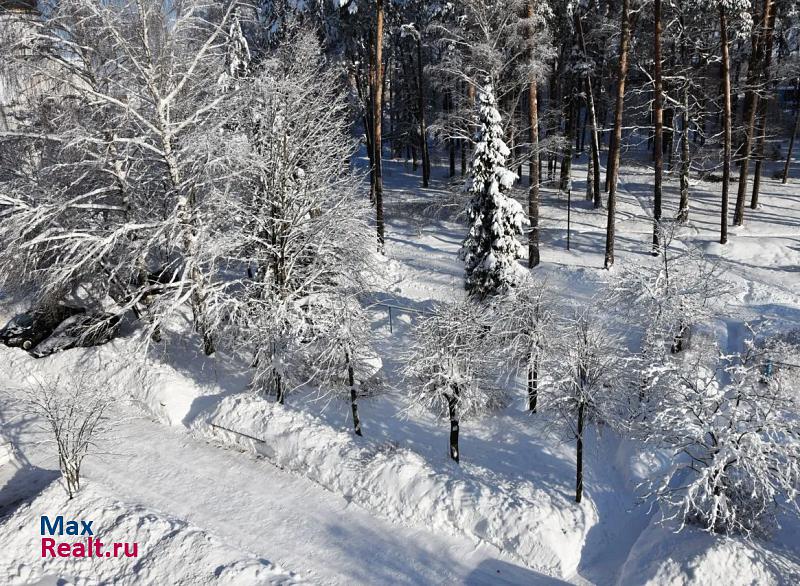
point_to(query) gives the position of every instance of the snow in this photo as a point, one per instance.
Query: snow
(390, 508)
(171, 551)
(529, 524)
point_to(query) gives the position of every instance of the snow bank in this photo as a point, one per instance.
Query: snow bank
(543, 531)
(167, 394)
(661, 556)
(170, 551)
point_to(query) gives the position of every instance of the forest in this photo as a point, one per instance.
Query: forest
(481, 291)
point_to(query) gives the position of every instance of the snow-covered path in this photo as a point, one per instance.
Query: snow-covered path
(252, 505)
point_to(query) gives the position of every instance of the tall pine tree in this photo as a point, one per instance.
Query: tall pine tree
(491, 249)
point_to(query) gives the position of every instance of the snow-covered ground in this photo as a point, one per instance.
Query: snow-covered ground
(219, 486)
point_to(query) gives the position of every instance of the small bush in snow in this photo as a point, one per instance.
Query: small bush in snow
(72, 412)
(734, 432)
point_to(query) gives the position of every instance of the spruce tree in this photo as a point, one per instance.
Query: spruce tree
(491, 248)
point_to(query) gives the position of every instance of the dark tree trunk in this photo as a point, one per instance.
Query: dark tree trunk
(351, 380)
(726, 123)
(423, 129)
(377, 115)
(280, 389)
(533, 381)
(579, 452)
(754, 73)
(569, 140)
(794, 133)
(613, 169)
(762, 117)
(683, 208)
(452, 402)
(451, 142)
(658, 131)
(594, 188)
(534, 169)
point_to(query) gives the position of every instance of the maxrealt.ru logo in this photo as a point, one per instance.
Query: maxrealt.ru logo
(89, 547)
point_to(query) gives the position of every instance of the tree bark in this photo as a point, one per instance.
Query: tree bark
(452, 401)
(423, 130)
(658, 131)
(533, 381)
(579, 452)
(791, 141)
(754, 74)
(533, 171)
(377, 115)
(569, 139)
(726, 123)
(613, 169)
(594, 188)
(353, 404)
(683, 208)
(761, 130)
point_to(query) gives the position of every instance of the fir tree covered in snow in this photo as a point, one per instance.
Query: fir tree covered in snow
(491, 249)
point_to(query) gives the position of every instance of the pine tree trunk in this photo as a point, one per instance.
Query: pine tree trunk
(594, 188)
(613, 169)
(569, 140)
(451, 142)
(791, 141)
(579, 452)
(423, 130)
(683, 208)
(761, 130)
(534, 169)
(658, 131)
(353, 404)
(726, 123)
(377, 116)
(754, 73)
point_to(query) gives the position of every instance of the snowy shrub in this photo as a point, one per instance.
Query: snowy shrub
(452, 359)
(492, 248)
(72, 413)
(734, 433)
(669, 294)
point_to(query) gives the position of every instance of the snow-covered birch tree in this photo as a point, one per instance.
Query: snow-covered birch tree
(116, 201)
(296, 242)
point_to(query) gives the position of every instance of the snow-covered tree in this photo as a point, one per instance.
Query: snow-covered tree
(588, 382)
(295, 234)
(733, 428)
(666, 297)
(452, 359)
(116, 201)
(341, 351)
(491, 249)
(73, 413)
(523, 329)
